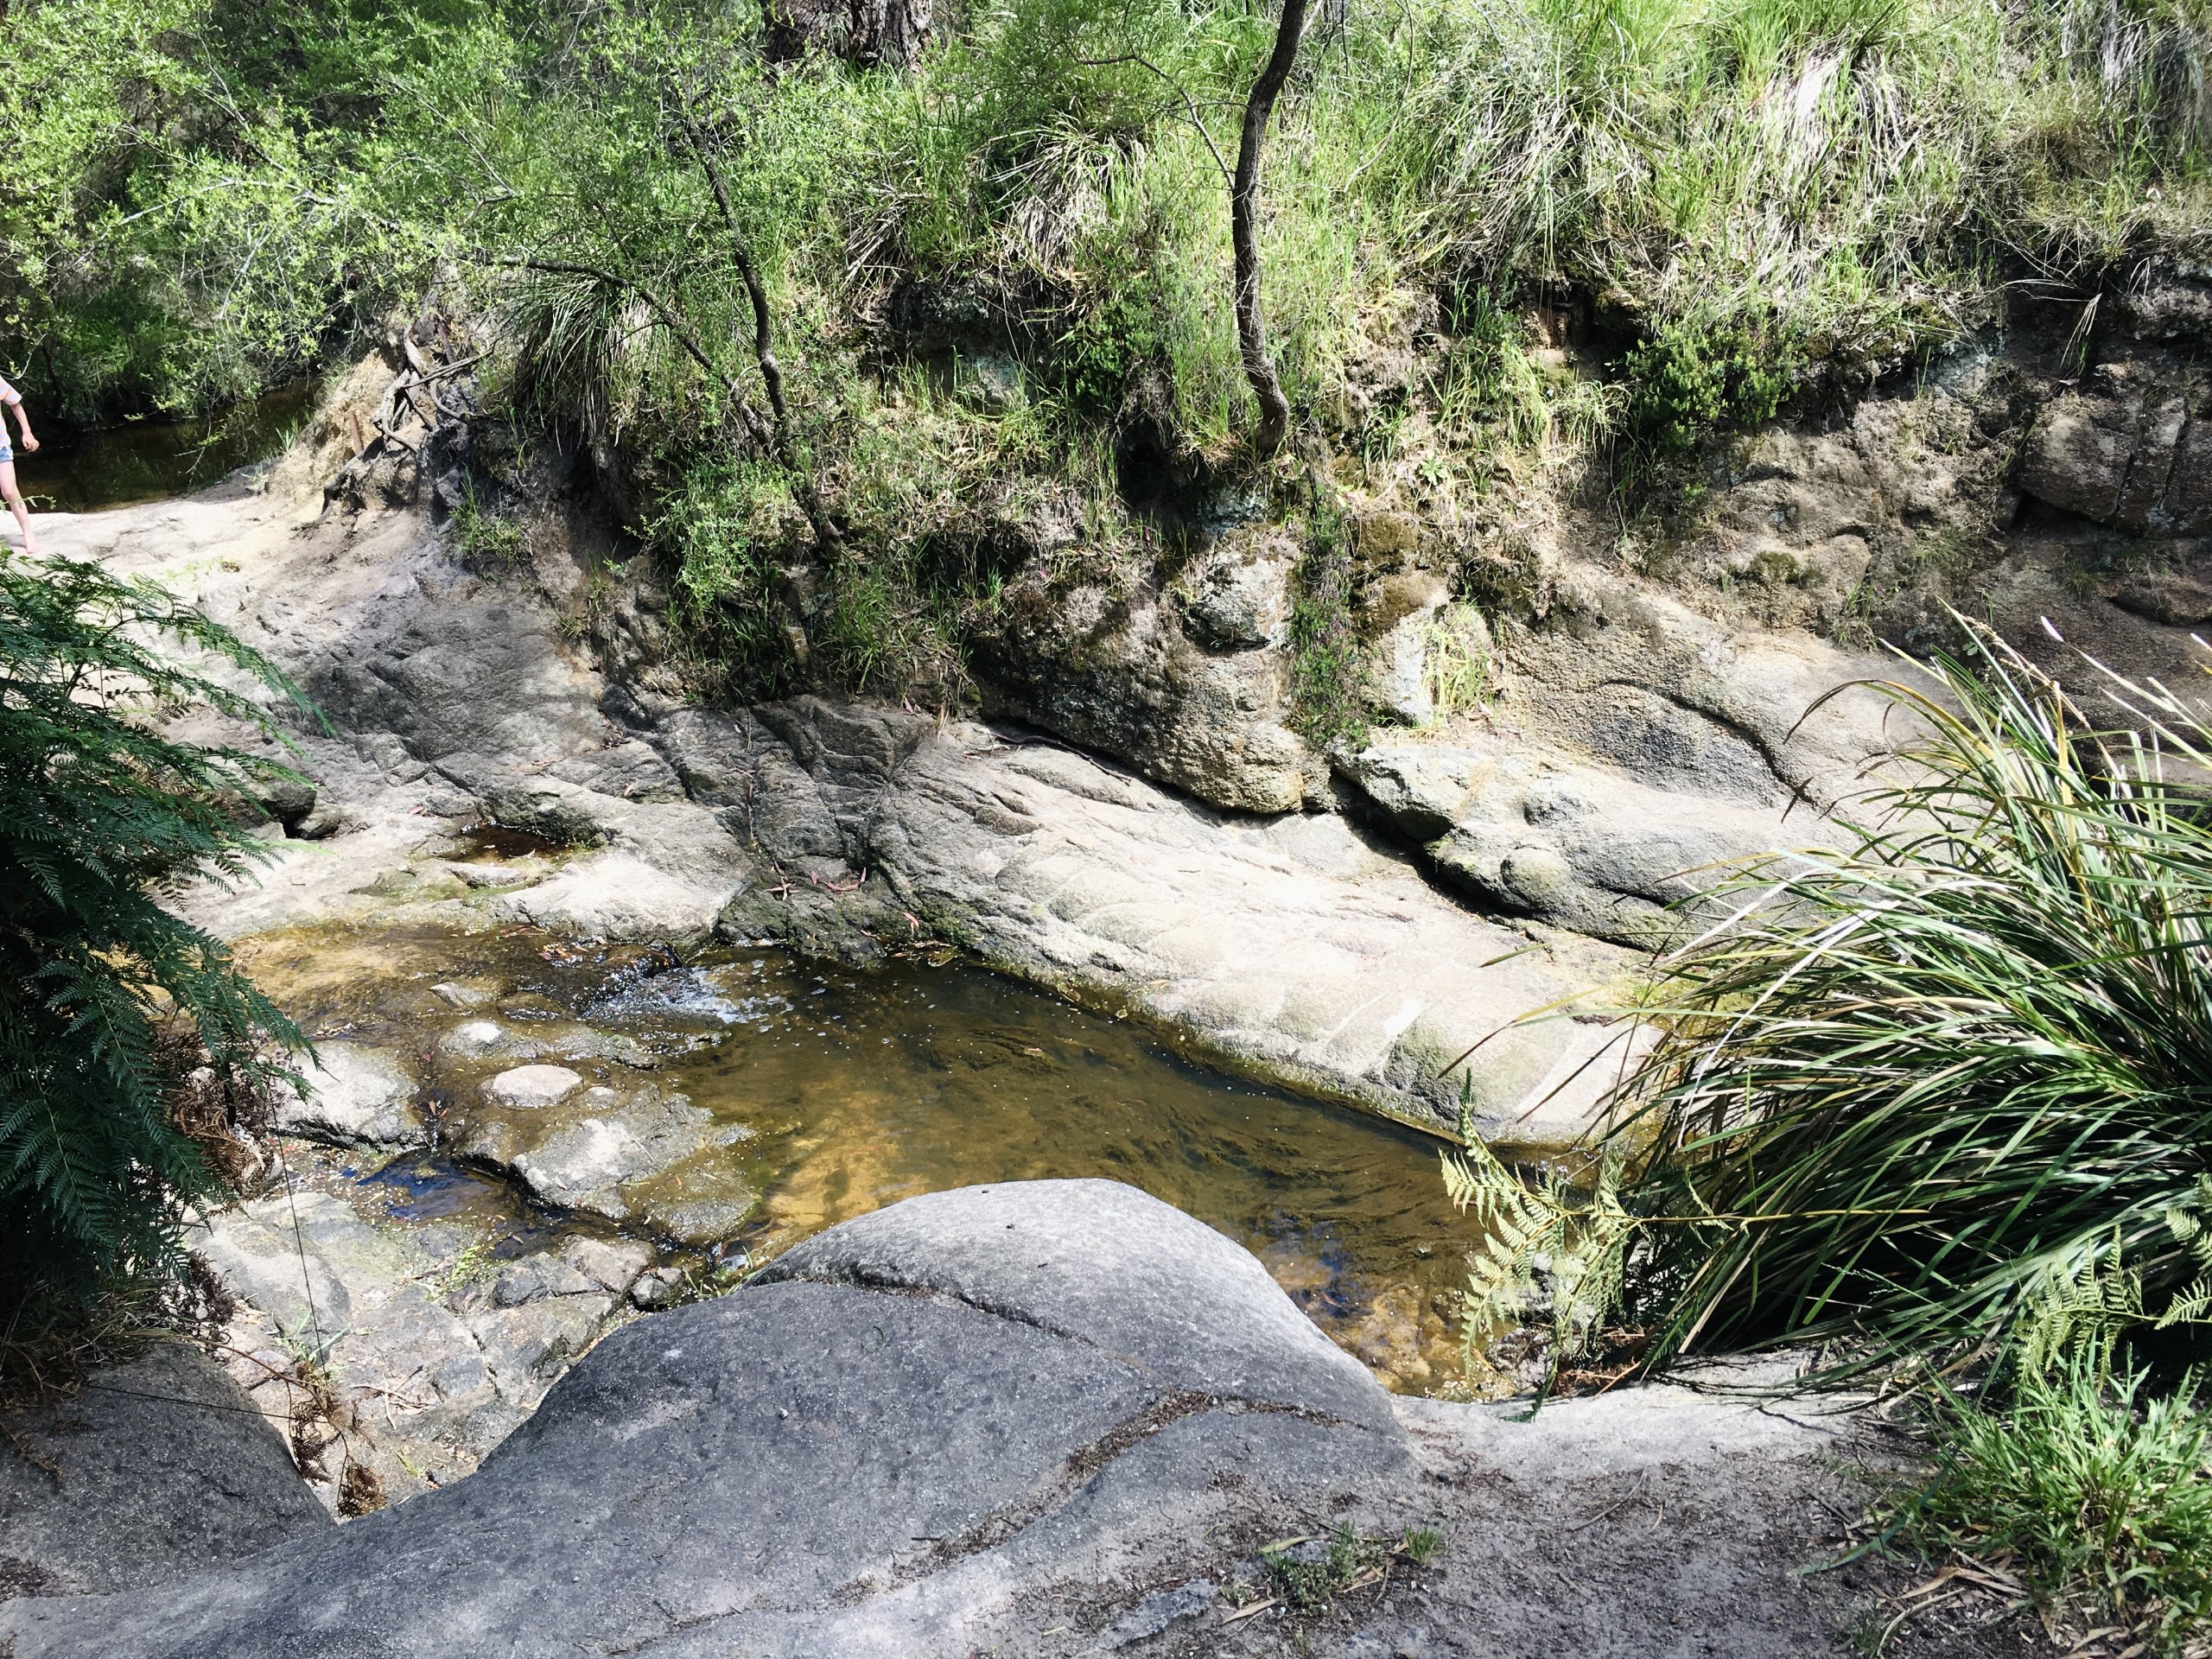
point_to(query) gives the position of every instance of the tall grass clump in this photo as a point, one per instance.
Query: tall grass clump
(1710, 162)
(1907, 1089)
(1906, 1093)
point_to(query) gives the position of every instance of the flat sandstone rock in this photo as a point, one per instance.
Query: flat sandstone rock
(155, 1469)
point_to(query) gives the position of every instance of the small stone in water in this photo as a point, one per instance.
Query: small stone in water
(477, 1037)
(532, 1085)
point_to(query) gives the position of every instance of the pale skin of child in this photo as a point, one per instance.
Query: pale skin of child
(8, 473)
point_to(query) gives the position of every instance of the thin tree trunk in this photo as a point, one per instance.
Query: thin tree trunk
(1244, 215)
(764, 352)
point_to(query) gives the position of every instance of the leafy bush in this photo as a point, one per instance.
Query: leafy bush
(212, 192)
(1691, 379)
(128, 1043)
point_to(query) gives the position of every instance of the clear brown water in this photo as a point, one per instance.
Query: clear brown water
(861, 1089)
(99, 467)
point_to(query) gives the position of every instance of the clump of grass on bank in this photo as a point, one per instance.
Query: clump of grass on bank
(1909, 1094)
(2093, 1486)
(1936, 1100)
(1911, 1088)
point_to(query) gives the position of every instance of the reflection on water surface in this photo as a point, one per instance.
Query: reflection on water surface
(94, 470)
(860, 1088)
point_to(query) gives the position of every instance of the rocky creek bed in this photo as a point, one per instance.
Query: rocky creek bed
(1051, 1418)
(620, 996)
(515, 1142)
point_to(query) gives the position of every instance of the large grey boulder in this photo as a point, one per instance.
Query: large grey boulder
(157, 1468)
(1104, 1265)
(926, 1425)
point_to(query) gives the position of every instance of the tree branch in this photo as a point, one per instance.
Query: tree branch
(1189, 105)
(763, 346)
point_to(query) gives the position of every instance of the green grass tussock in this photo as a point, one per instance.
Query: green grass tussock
(1931, 1093)
(1911, 1088)
(2093, 1486)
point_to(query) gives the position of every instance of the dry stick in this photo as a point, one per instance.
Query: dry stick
(764, 349)
(1243, 215)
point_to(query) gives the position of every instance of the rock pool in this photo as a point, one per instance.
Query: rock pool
(803, 1094)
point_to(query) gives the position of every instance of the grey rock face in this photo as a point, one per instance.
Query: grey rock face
(1582, 845)
(440, 1367)
(1188, 687)
(2176, 601)
(2132, 449)
(1684, 703)
(612, 1266)
(1291, 944)
(639, 1154)
(356, 1096)
(464, 670)
(159, 1468)
(815, 1465)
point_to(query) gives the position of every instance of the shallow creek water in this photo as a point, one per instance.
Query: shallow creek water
(93, 469)
(847, 1090)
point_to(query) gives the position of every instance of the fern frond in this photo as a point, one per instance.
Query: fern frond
(96, 807)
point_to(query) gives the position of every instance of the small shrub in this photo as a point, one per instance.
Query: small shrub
(489, 540)
(1690, 379)
(1311, 1573)
(1307, 1579)
(2098, 1490)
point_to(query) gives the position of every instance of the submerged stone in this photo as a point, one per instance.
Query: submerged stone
(648, 1156)
(477, 1037)
(532, 1085)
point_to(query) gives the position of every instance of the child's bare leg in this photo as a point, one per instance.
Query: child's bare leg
(16, 506)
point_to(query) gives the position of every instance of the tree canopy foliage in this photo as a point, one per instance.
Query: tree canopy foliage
(205, 194)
